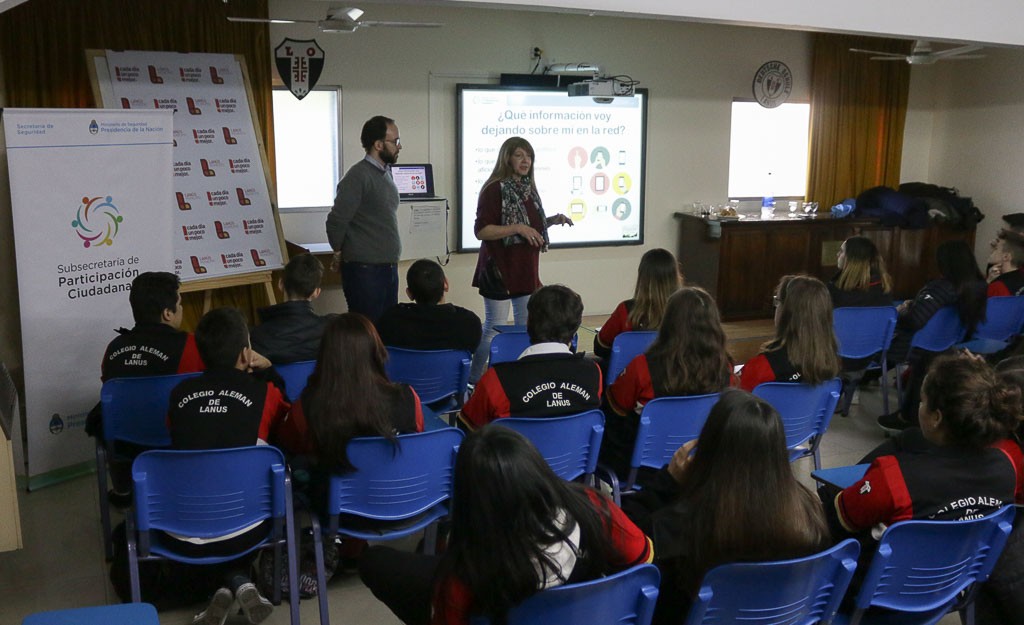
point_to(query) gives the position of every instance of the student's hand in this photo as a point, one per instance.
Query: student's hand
(680, 460)
(258, 361)
(336, 261)
(993, 273)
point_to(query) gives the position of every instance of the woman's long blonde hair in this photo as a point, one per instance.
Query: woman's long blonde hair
(804, 328)
(503, 167)
(862, 263)
(657, 277)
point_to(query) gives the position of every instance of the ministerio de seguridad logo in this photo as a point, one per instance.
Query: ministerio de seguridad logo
(97, 221)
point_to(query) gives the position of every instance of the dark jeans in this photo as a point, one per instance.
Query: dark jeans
(401, 580)
(370, 289)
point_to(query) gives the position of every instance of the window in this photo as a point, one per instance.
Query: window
(308, 145)
(768, 150)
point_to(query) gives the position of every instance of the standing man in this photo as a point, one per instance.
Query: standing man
(362, 226)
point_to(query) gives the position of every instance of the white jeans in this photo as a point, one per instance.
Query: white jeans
(495, 314)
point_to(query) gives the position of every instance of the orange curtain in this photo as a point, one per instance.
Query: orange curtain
(43, 44)
(858, 110)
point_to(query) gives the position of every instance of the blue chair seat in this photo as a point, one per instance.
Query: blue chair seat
(626, 347)
(117, 614)
(806, 412)
(296, 376)
(570, 444)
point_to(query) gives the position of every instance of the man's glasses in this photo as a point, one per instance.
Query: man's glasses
(397, 141)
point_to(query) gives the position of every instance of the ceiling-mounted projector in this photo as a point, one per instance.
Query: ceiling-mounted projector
(603, 90)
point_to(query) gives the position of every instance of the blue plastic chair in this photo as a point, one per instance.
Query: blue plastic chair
(801, 591)
(435, 375)
(865, 332)
(921, 567)
(209, 493)
(296, 375)
(626, 347)
(806, 411)
(397, 489)
(942, 331)
(665, 424)
(117, 614)
(625, 598)
(134, 411)
(1004, 318)
(569, 444)
(507, 346)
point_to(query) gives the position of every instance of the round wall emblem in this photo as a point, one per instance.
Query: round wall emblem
(773, 83)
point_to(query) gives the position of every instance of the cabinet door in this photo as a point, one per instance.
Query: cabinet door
(741, 273)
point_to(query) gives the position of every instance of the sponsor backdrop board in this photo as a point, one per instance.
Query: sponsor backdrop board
(89, 189)
(223, 220)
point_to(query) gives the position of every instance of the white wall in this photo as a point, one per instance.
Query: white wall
(693, 72)
(975, 144)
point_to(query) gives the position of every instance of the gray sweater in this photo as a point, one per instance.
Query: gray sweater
(363, 223)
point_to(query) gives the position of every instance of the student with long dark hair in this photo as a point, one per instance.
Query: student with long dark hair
(657, 277)
(517, 529)
(804, 348)
(962, 285)
(735, 499)
(688, 357)
(862, 279)
(348, 395)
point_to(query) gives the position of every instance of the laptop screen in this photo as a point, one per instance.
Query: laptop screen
(414, 181)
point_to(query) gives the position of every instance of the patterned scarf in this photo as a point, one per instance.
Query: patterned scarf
(514, 194)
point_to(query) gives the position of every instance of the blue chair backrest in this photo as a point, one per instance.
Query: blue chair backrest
(506, 346)
(433, 374)
(396, 480)
(208, 493)
(795, 592)
(117, 614)
(135, 409)
(625, 598)
(941, 332)
(863, 331)
(806, 410)
(296, 375)
(921, 566)
(569, 444)
(1004, 317)
(665, 424)
(625, 348)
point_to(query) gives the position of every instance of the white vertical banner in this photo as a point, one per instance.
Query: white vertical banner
(91, 198)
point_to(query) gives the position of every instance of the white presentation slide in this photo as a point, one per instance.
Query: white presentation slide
(589, 159)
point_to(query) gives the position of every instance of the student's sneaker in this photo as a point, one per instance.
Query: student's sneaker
(894, 423)
(218, 610)
(255, 606)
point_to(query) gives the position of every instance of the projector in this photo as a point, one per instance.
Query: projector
(601, 89)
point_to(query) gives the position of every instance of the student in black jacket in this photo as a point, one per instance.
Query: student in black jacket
(291, 331)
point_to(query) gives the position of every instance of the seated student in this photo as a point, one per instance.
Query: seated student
(348, 395)
(657, 277)
(226, 407)
(705, 508)
(862, 279)
(548, 380)
(1007, 256)
(154, 346)
(688, 357)
(516, 529)
(961, 285)
(291, 331)
(429, 322)
(960, 452)
(804, 348)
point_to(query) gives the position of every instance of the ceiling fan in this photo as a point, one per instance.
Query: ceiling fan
(344, 20)
(922, 54)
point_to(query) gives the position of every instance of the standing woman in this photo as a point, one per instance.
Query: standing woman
(511, 223)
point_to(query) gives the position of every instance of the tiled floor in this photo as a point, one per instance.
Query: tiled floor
(62, 563)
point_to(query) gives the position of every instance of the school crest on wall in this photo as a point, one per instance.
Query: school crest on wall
(773, 83)
(299, 63)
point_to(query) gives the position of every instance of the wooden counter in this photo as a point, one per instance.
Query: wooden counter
(739, 261)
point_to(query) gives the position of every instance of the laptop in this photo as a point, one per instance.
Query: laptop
(414, 182)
